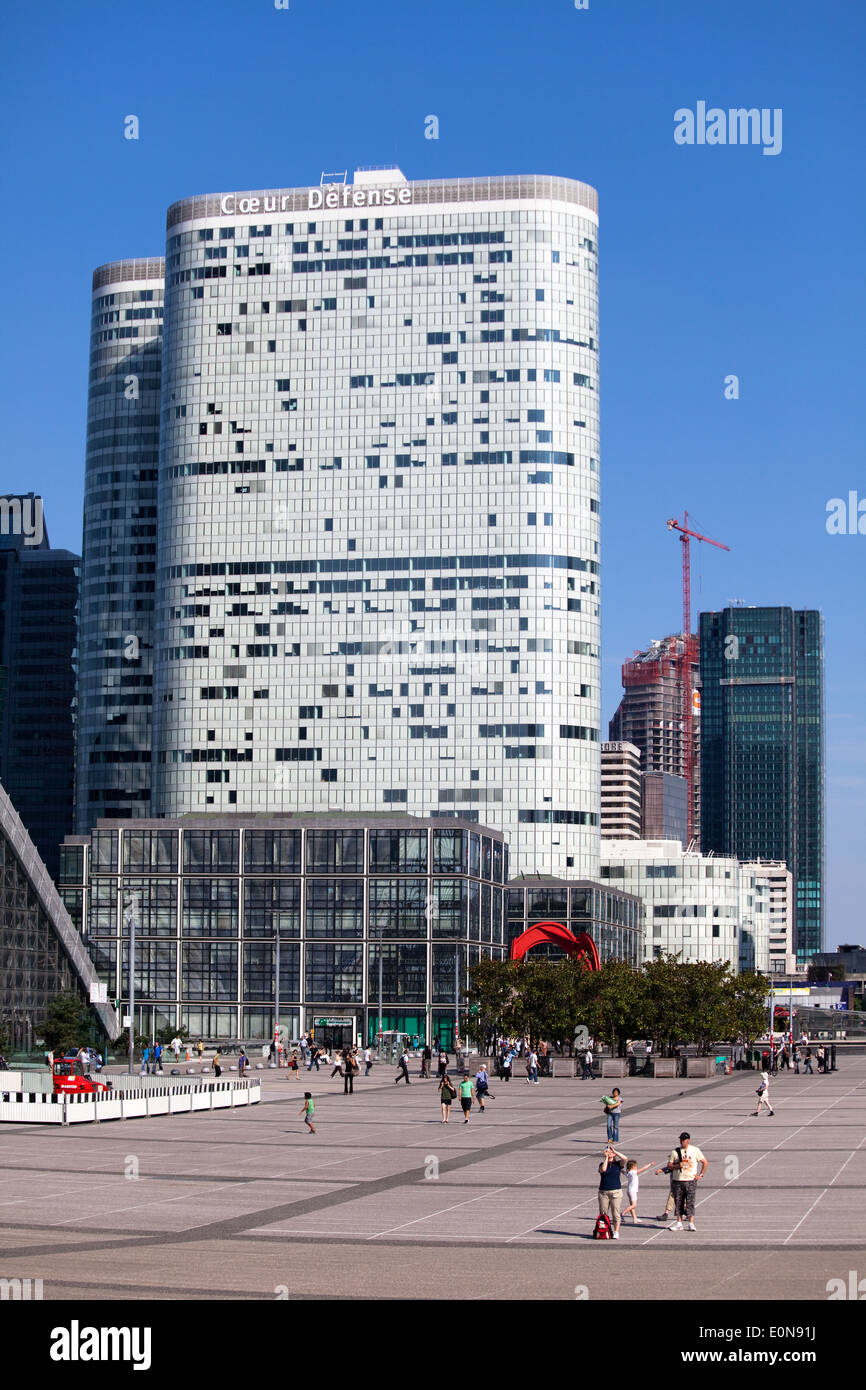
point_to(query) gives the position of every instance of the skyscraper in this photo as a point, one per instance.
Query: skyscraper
(378, 554)
(650, 715)
(762, 672)
(38, 610)
(620, 792)
(119, 560)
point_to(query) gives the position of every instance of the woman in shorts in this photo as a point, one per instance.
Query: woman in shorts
(466, 1097)
(447, 1093)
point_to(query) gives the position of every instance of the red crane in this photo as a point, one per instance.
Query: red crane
(688, 657)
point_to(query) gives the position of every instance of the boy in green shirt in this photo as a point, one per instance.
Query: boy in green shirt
(465, 1089)
(308, 1111)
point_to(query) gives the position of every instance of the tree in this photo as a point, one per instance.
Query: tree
(664, 1002)
(5, 1038)
(67, 1022)
(611, 1003)
(746, 1011)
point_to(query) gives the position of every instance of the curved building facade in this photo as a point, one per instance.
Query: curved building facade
(119, 559)
(378, 566)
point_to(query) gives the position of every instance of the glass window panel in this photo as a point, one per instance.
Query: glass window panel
(400, 851)
(271, 905)
(335, 851)
(259, 969)
(450, 850)
(153, 902)
(335, 907)
(210, 907)
(398, 906)
(155, 971)
(209, 970)
(210, 851)
(404, 971)
(272, 852)
(334, 973)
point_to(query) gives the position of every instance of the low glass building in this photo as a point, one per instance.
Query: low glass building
(212, 896)
(612, 918)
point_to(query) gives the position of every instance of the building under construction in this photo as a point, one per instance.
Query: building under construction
(650, 715)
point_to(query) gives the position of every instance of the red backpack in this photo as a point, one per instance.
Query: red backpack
(603, 1228)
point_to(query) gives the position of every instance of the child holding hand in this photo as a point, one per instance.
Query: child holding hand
(632, 1183)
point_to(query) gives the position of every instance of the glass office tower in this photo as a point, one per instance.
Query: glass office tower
(762, 671)
(378, 557)
(38, 614)
(119, 549)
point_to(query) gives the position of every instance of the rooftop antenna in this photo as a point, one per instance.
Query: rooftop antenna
(339, 177)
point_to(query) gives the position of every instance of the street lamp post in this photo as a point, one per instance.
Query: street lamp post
(277, 996)
(132, 900)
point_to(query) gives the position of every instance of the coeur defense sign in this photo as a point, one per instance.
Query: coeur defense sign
(327, 196)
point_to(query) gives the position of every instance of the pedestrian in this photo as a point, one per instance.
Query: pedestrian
(588, 1073)
(217, 1063)
(426, 1059)
(314, 1057)
(308, 1111)
(786, 1058)
(368, 1059)
(447, 1093)
(505, 1065)
(807, 1062)
(175, 1047)
(199, 1047)
(482, 1086)
(157, 1058)
(293, 1066)
(443, 1064)
(822, 1059)
(649, 1055)
(632, 1183)
(610, 1187)
(243, 1064)
(272, 1054)
(338, 1064)
(684, 1162)
(349, 1074)
(613, 1110)
(532, 1067)
(403, 1073)
(763, 1094)
(465, 1097)
(795, 1053)
(145, 1062)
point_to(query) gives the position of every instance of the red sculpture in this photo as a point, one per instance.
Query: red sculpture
(556, 934)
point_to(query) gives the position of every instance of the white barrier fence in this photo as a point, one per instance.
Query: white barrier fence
(37, 1107)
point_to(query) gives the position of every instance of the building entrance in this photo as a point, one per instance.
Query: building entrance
(334, 1033)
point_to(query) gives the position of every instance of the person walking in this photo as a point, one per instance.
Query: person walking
(308, 1111)
(684, 1163)
(199, 1047)
(351, 1066)
(368, 1059)
(807, 1063)
(482, 1086)
(338, 1064)
(293, 1066)
(588, 1073)
(795, 1053)
(443, 1064)
(610, 1187)
(403, 1073)
(505, 1064)
(613, 1111)
(314, 1057)
(426, 1059)
(822, 1057)
(175, 1047)
(447, 1093)
(243, 1064)
(465, 1097)
(217, 1064)
(145, 1062)
(763, 1094)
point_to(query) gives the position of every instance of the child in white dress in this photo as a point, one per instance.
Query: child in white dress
(632, 1183)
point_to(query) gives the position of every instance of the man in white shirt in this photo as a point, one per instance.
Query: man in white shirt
(683, 1165)
(368, 1060)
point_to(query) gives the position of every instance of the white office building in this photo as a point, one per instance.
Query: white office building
(694, 904)
(776, 877)
(378, 520)
(620, 791)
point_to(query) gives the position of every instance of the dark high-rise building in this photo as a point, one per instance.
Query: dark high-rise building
(38, 611)
(119, 552)
(762, 766)
(650, 715)
(664, 807)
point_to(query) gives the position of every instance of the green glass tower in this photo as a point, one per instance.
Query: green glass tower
(762, 752)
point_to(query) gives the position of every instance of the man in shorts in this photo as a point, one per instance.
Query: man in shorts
(684, 1163)
(465, 1089)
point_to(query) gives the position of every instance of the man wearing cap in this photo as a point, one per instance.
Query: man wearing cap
(683, 1165)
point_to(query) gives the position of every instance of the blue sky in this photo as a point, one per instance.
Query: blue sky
(714, 260)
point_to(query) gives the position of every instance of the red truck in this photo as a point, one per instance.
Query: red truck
(70, 1078)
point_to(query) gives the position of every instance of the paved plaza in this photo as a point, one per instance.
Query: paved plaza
(386, 1201)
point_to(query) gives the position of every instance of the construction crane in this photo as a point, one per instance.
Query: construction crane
(688, 657)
